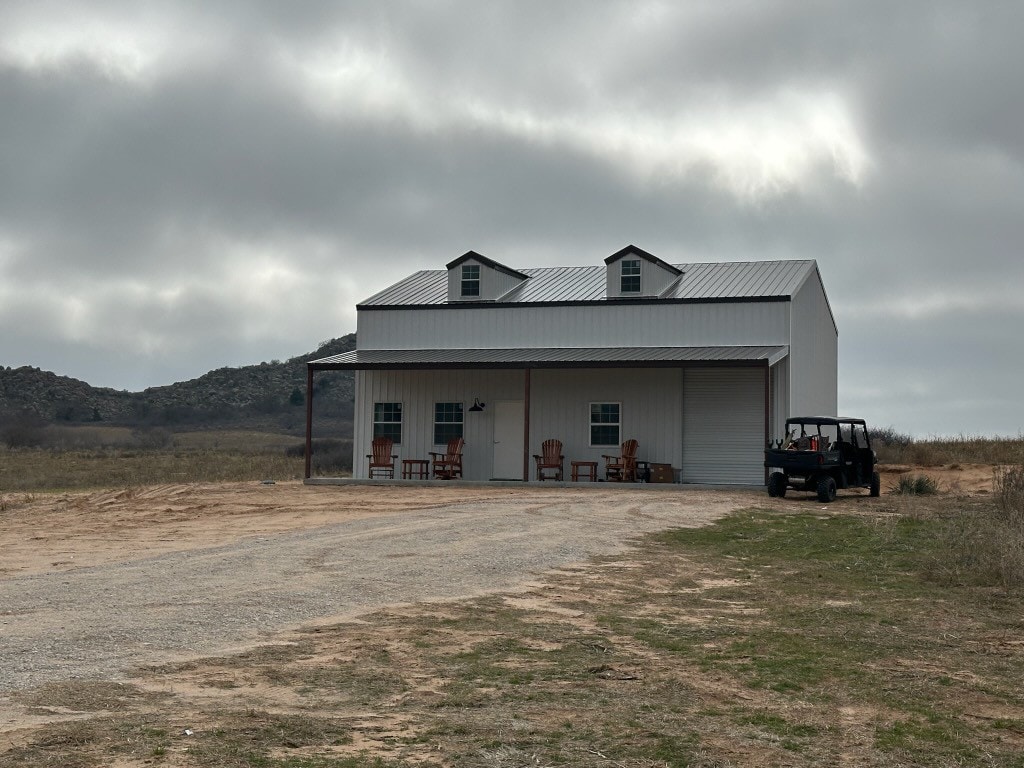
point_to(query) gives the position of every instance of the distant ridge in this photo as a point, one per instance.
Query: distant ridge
(267, 395)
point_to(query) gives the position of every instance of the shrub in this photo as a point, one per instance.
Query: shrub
(915, 485)
(1009, 494)
(153, 437)
(25, 430)
(83, 437)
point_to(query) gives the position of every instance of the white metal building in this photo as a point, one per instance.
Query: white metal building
(701, 363)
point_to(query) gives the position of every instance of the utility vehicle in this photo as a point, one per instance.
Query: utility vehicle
(820, 454)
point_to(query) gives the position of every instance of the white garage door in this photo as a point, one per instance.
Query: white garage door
(723, 425)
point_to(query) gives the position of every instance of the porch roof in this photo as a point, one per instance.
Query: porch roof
(550, 357)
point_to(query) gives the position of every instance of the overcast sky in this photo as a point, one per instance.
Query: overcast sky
(190, 185)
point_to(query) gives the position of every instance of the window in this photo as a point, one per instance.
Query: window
(630, 276)
(470, 280)
(387, 421)
(860, 436)
(447, 422)
(604, 423)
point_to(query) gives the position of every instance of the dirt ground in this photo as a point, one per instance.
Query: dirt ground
(44, 533)
(47, 534)
(95, 584)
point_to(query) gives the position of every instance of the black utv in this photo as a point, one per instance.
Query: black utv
(820, 454)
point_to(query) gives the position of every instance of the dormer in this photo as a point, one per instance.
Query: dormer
(473, 277)
(635, 273)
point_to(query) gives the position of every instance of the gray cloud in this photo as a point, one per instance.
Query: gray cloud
(184, 187)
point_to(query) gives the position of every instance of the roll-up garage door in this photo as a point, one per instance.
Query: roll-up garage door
(723, 425)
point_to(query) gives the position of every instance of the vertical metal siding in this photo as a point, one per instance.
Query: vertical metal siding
(723, 439)
(651, 411)
(654, 278)
(454, 283)
(501, 283)
(764, 323)
(780, 398)
(814, 353)
(560, 408)
(418, 391)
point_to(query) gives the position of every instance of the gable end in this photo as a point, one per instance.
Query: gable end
(635, 273)
(474, 277)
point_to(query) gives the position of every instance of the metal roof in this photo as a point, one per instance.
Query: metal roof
(632, 250)
(484, 260)
(550, 357)
(823, 420)
(723, 281)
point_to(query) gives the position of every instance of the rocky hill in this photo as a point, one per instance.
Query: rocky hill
(269, 395)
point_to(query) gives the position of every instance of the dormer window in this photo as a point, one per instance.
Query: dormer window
(630, 276)
(633, 273)
(475, 278)
(470, 280)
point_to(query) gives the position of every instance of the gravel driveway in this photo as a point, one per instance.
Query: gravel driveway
(101, 621)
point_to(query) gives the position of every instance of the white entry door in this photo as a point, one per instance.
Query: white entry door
(508, 440)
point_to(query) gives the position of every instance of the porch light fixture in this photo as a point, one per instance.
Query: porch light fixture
(477, 406)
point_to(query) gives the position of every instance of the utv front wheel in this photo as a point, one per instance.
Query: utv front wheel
(826, 489)
(777, 484)
(876, 484)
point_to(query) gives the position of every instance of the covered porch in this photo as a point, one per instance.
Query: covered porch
(705, 411)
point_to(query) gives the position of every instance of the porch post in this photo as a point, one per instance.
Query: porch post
(526, 425)
(767, 410)
(309, 420)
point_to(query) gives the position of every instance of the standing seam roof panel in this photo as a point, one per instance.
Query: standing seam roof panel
(587, 283)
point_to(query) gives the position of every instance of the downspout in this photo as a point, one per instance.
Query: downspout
(309, 420)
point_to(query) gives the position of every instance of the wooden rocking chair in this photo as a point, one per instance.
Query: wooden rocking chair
(448, 465)
(622, 468)
(382, 460)
(550, 458)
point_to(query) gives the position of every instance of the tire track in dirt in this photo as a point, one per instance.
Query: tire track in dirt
(102, 620)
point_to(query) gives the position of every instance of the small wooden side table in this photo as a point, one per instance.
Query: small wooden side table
(415, 469)
(589, 470)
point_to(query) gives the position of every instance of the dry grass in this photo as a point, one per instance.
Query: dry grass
(86, 696)
(895, 448)
(99, 456)
(38, 470)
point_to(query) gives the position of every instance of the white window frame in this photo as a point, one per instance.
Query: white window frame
(637, 275)
(617, 424)
(376, 421)
(470, 277)
(461, 422)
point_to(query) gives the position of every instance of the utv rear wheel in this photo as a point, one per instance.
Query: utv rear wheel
(826, 489)
(876, 484)
(777, 483)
